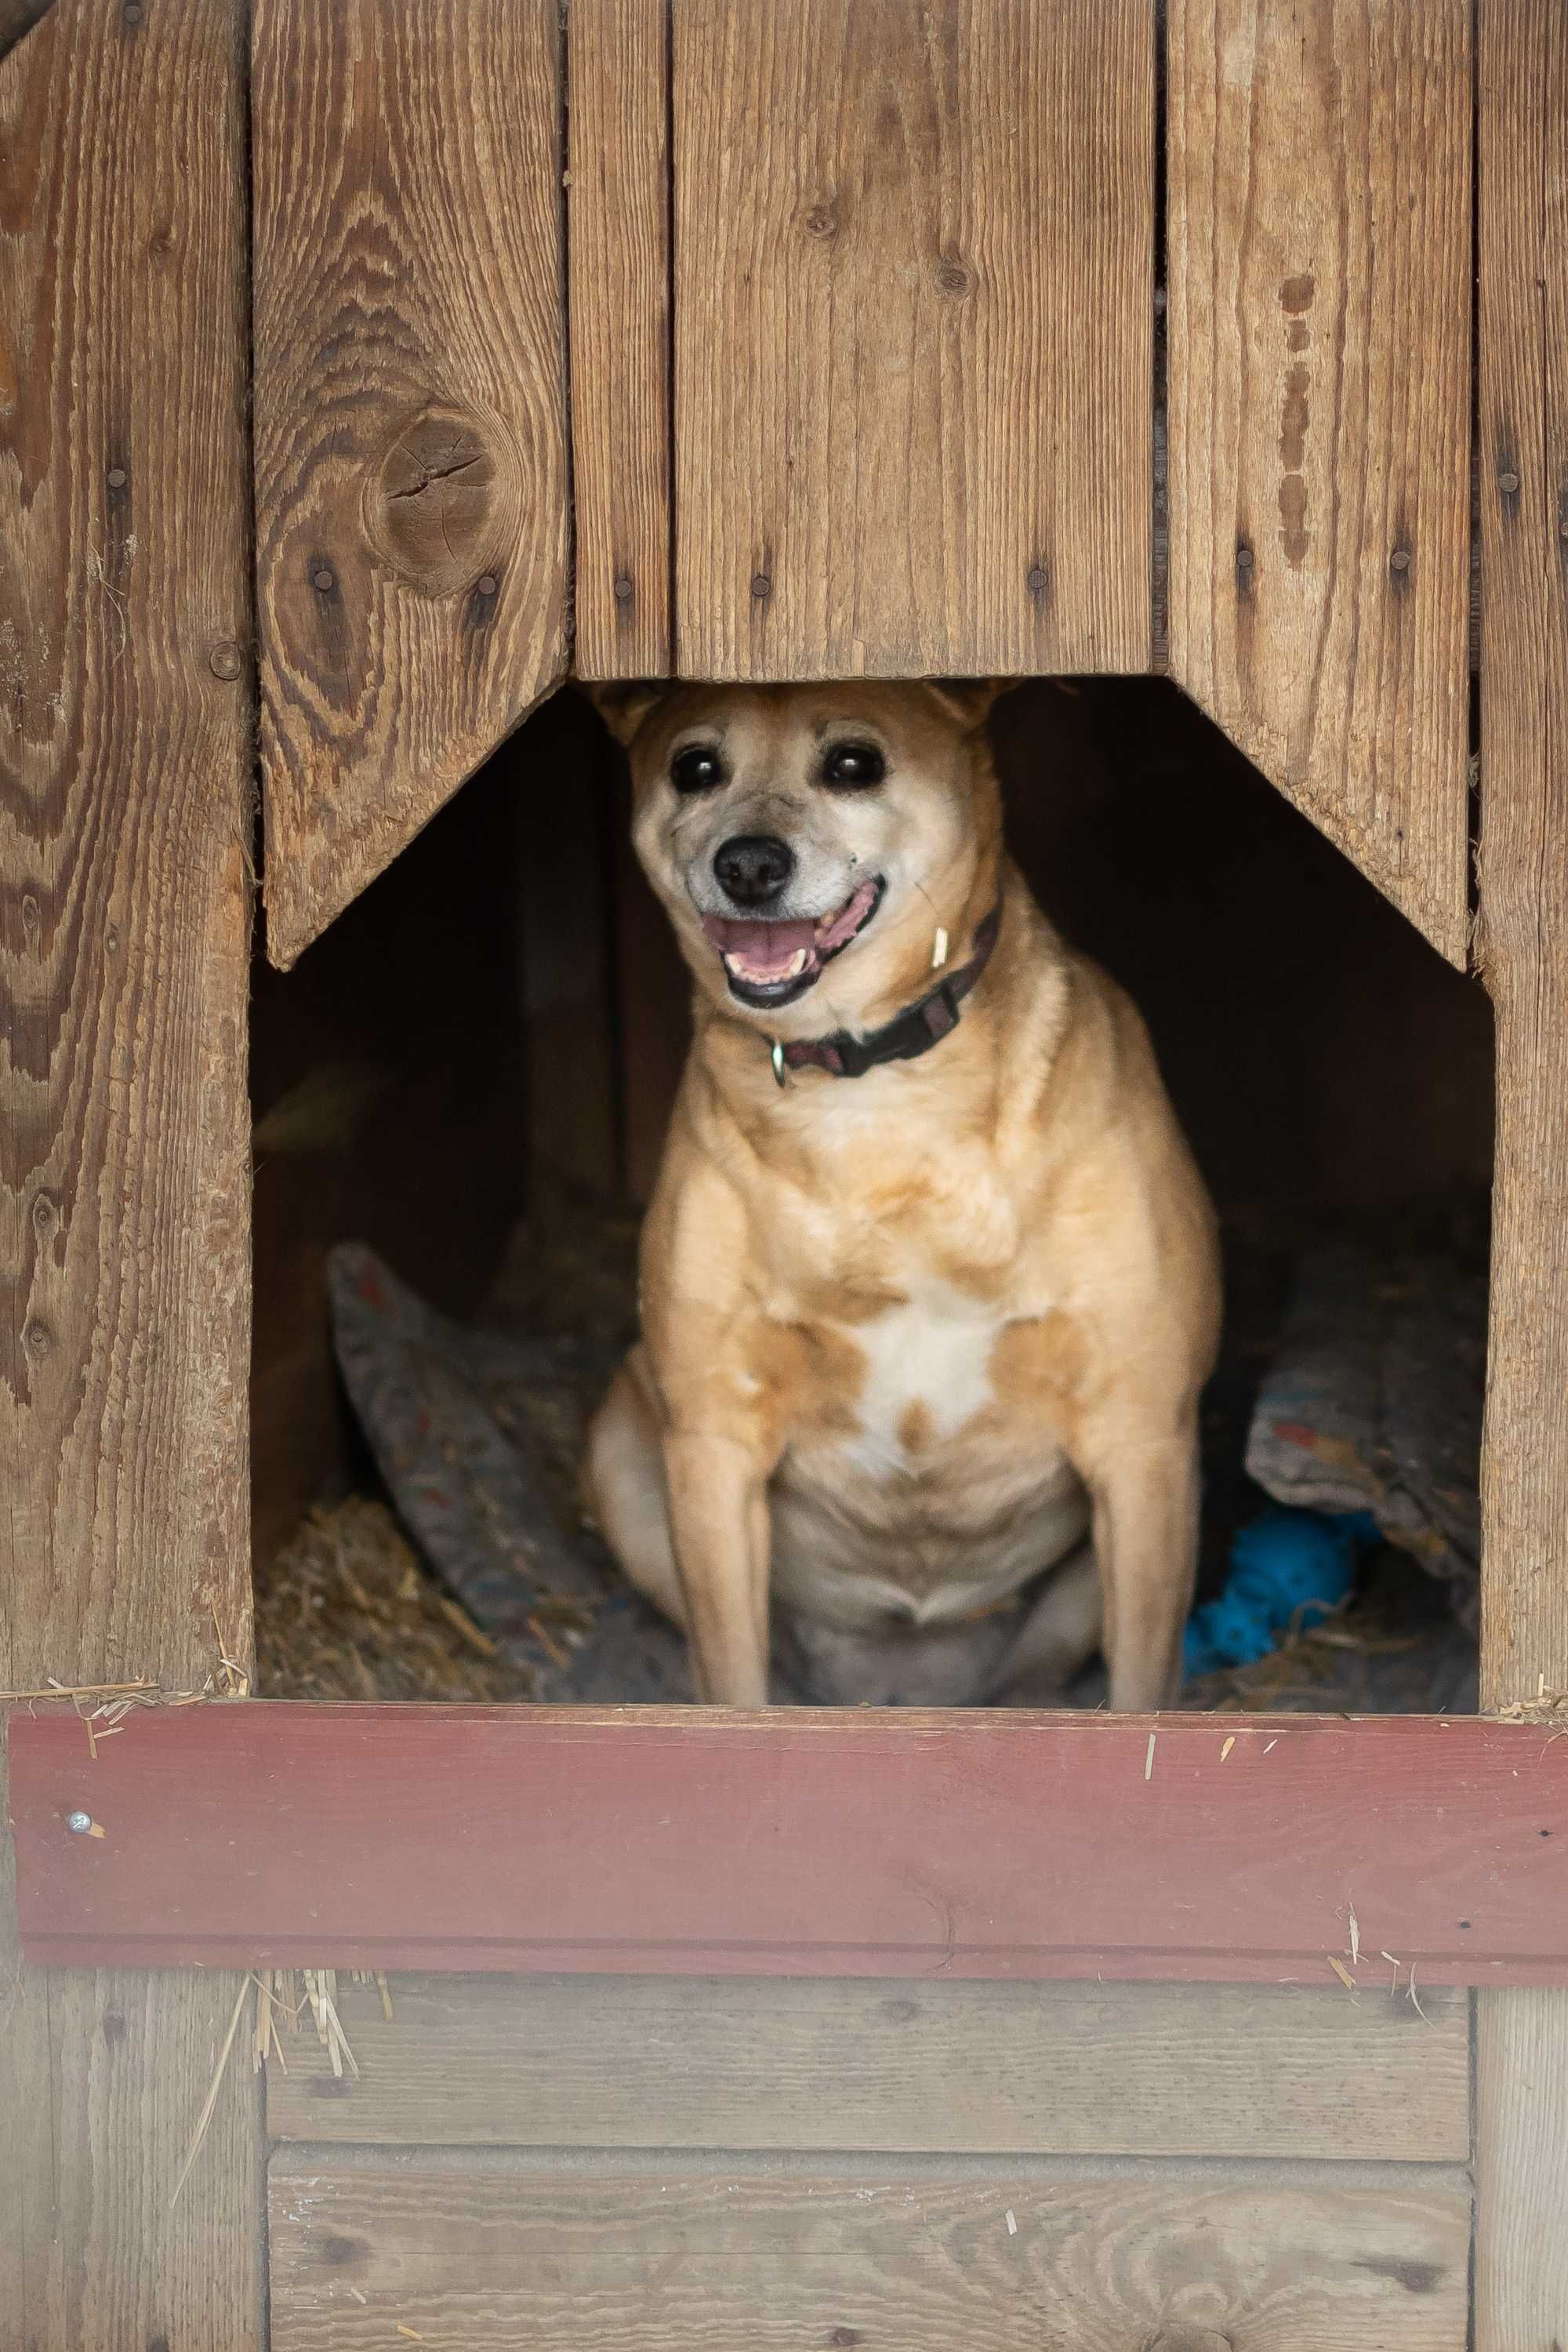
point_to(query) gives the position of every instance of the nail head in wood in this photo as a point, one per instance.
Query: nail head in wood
(624, 590)
(486, 583)
(224, 659)
(1507, 483)
(760, 584)
(116, 477)
(78, 1823)
(322, 579)
(1400, 559)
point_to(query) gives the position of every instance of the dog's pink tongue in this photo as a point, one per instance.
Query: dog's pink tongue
(761, 947)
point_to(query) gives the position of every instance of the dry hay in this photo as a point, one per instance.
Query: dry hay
(347, 1610)
(1307, 1668)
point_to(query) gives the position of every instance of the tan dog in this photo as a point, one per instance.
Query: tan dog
(929, 1279)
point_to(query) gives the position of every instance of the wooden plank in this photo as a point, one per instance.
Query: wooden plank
(1318, 315)
(913, 337)
(917, 2258)
(125, 726)
(618, 256)
(1073, 2069)
(803, 1842)
(1521, 2084)
(411, 499)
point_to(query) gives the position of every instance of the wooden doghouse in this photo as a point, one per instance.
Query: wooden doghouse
(372, 366)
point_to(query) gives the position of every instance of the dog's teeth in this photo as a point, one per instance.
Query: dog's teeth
(797, 963)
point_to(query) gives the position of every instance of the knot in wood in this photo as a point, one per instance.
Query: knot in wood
(439, 508)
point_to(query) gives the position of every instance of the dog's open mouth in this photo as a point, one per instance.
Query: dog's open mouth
(773, 963)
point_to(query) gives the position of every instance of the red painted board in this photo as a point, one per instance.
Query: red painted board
(878, 1843)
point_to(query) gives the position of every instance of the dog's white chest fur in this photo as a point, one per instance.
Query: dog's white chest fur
(927, 1359)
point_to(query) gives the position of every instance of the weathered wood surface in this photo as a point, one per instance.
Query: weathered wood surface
(492, 2252)
(914, 306)
(1521, 2121)
(1068, 2069)
(803, 1842)
(617, 80)
(410, 419)
(1318, 320)
(124, 842)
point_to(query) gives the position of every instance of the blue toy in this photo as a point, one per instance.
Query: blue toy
(1287, 1568)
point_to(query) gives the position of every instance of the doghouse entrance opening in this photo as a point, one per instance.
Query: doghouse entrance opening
(468, 1078)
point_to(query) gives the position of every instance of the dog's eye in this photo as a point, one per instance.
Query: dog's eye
(853, 763)
(698, 769)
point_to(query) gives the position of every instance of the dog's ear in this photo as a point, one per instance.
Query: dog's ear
(968, 700)
(624, 704)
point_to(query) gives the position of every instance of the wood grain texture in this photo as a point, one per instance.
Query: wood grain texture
(914, 306)
(410, 497)
(1521, 2087)
(1005, 2258)
(125, 727)
(803, 1842)
(1070, 2069)
(1320, 395)
(618, 250)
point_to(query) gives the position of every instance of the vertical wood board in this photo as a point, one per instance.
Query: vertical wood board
(995, 2257)
(125, 732)
(913, 311)
(411, 499)
(1319, 317)
(619, 249)
(1521, 2121)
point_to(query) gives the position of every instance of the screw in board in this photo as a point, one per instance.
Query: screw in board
(78, 1823)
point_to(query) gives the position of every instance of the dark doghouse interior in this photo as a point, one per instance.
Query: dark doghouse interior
(469, 1074)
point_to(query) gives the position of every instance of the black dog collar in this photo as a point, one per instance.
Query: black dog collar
(909, 1034)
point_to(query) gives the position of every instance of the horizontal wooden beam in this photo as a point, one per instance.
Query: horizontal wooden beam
(650, 1839)
(1009, 2070)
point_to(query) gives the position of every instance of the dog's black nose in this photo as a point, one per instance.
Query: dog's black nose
(754, 868)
